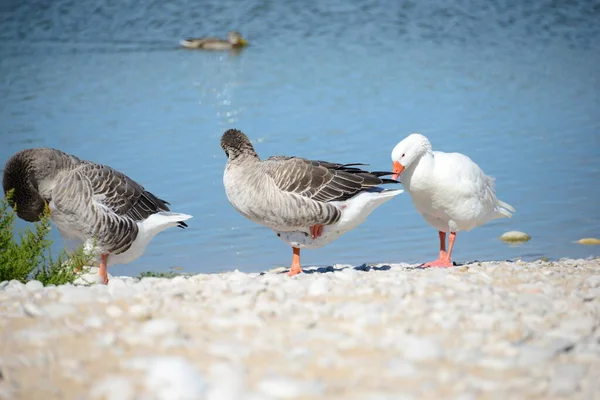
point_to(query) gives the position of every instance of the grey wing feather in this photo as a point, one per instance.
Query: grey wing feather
(321, 180)
(76, 208)
(122, 194)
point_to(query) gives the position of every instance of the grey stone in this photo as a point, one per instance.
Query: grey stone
(593, 281)
(566, 379)
(529, 355)
(32, 310)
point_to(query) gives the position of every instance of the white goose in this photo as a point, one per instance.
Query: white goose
(307, 203)
(111, 213)
(450, 191)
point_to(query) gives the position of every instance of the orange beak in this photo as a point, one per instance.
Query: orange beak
(397, 169)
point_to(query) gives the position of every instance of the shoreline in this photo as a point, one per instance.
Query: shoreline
(480, 330)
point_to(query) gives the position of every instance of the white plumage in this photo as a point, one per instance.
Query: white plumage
(451, 192)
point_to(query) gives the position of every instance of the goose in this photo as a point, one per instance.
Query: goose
(234, 41)
(449, 190)
(307, 203)
(109, 212)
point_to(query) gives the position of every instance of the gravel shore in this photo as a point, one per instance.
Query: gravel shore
(490, 330)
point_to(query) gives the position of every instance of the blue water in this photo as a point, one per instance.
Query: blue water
(513, 85)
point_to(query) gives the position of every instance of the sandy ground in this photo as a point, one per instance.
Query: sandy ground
(493, 330)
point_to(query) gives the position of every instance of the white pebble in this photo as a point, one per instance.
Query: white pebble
(56, 310)
(15, 286)
(591, 294)
(421, 348)
(227, 383)
(580, 325)
(565, 379)
(399, 367)
(93, 322)
(140, 311)
(32, 310)
(34, 285)
(116, 283)
(593, 281)
(75, 294)
(113, 387)
(287, 388)
(114, 311)
(174, 378)
(318, 287)
(534, 355)
(159, 327)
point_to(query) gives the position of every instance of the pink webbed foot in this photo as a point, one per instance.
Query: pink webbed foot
(438, 264)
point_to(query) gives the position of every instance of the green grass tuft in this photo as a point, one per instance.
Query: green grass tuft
(29, 257)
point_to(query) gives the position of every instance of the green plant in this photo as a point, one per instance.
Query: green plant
(29, 257)
(167, 275)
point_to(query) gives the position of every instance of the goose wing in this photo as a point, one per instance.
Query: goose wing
(321, 181)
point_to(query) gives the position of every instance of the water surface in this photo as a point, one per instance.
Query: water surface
(513, 85)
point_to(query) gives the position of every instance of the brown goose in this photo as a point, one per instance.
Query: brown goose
(307, 203)
(111, 213)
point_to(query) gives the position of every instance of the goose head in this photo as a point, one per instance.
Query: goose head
(407, 151)
(235, 144)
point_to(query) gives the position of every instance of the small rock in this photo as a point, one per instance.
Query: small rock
(579, 325)
(318, 287)
(534, 355)
(403, 368)
(15, 286)
(74, 294)
(93, 322)
(421, 349)
(589, 241)
(227, 383)
(106, 339)
(566, 379)
(591, 294)
(593, 281)
(114, 311)
(536, 303)
(34, 285)
(32, 310)
(515, 237)
(56, 310)
(113, 387)
(287, 388)
(174, 378)
(159, 327)
(141, 312)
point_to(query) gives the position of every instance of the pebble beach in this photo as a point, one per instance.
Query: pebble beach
(489, 330)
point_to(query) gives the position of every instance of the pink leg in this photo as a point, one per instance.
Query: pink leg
(102, 269)
(295, 269)
(445, 259)
(316, 230)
